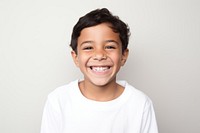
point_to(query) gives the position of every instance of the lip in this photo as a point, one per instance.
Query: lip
(100, 70)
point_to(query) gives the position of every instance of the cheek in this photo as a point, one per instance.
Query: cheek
(116, 59)
(82, 59)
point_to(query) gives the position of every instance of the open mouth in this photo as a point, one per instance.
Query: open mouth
(100, 69)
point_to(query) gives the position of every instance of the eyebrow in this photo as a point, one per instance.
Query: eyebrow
(86, 42)
(106, 41)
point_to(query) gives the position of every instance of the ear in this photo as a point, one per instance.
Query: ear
(75, 57)
(124, 56)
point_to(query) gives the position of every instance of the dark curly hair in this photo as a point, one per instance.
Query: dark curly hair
(96, 17)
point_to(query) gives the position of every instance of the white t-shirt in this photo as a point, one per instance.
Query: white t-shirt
(68, 111)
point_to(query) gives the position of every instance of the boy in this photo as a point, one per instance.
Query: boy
(98, 103)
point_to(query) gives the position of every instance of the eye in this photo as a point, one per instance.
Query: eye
(87, 48)
(110, 47)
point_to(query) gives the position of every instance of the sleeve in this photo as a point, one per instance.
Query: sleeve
(51, 119)
(149, 124)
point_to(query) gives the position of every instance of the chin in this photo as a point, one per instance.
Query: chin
(101, 82)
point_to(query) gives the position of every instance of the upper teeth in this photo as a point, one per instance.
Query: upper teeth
(100, 69)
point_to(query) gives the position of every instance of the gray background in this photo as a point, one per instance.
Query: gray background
(164, 59)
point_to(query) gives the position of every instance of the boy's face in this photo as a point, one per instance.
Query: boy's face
(99, 54)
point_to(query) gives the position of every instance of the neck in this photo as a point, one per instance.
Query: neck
(100, 93)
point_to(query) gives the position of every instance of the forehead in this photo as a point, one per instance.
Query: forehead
(99, 32)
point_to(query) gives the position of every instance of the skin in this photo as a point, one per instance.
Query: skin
(99, 57)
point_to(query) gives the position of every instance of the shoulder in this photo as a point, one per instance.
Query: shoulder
(63, 91)
(134, 95)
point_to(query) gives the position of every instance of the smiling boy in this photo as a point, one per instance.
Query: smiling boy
(99, 103)
(99, 57)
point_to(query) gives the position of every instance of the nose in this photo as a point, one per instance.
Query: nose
(99, 55)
